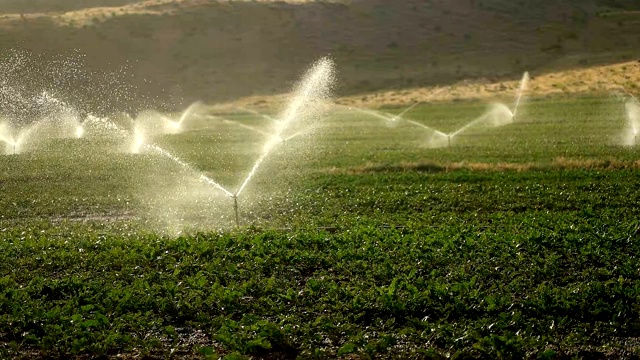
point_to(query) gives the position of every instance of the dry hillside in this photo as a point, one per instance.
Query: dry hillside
(221, 50)
(604, 79)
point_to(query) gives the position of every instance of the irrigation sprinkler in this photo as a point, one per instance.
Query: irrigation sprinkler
(235, 209)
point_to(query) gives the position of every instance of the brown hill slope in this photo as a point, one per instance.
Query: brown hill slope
(621, 79)
(220, 50)
(603, 80)
(41, 6)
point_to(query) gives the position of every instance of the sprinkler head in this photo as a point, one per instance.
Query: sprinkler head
(79, 132)
(138, 141)
(235, 208)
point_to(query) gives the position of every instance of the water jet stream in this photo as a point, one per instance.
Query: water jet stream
(420, 125)
(186, 166)
(239, 124)
(394, 118)
(521, 90)
(295, 135)
(256, 130)
(498, 115)
(265, 116)
(7, 138)
(79, 131)
(386, 116)
(633, 115)
(253, 170)
(139, 143)
(494, 115)
(104, 124)
(171, 126)
(245, 126)
(314, 86)
(374, 113)
(407, 110)
(187, 112)
(17, 141)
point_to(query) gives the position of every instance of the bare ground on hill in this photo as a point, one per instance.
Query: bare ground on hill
(182, 51)
(623, 78)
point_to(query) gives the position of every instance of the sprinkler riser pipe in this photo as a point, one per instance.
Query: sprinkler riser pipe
(235, 209)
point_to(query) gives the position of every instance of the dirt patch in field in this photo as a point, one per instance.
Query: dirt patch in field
(436, 167)
(88, 217)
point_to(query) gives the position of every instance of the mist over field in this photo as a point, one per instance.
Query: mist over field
(340, 179)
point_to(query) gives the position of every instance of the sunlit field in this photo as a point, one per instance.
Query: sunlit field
(357, 237)
(319, 179)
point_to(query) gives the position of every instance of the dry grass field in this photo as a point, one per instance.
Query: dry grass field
(608, 79)
(181, 51)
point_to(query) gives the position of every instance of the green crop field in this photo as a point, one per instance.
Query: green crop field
(357, 240)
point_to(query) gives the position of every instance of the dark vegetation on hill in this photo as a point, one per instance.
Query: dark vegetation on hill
(35, 6)
(212, 50)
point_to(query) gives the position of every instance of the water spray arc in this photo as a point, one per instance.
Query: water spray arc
(390, 118)
(176, 125)
(626, 94)
(315, 85)
(265, 116)
(497, 115)
(409, 108)
(17, 140)
(187, 113)
(55, 119)
(632, 108)
(524, 82)
(153, 123)
(5, 136)
(139, 142)
(257, 130)
(238, 124)
(437, 136)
